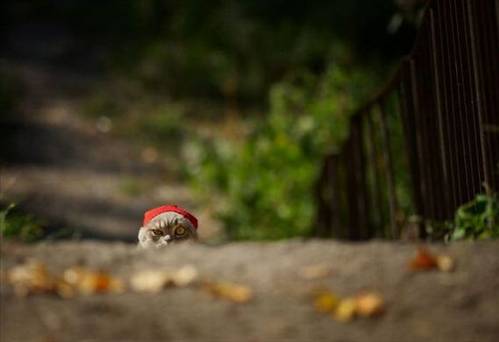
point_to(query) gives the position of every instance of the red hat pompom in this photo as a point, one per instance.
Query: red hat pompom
(152, 213)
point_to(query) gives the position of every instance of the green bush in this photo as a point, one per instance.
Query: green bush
(265, 184)
(17, 225)
(478, 219)
(475, 220)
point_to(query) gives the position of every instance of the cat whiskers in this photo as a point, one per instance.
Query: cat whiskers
(163, 241)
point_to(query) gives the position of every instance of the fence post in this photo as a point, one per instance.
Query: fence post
(448, 102)
(387, 157)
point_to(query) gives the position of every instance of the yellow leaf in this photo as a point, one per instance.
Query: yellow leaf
(445, 263)
(149, 281)
(230, 291)
(346, 310)
(89, 282)
(326, 301)
(186, 275)
(369, 304)
(315, 271)
(155, 281)
(31, 277)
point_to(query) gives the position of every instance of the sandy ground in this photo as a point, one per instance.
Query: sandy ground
(424, 306)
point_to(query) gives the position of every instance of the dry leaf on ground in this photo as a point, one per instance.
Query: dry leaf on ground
(87, 281)
(185, 276)
(315, 271)
(155, 281)
(425, 261)
(149, 281)
(31, 277)
(326, 301)
(445, 263)
(369, 304)
(346, 310)
(233, 292)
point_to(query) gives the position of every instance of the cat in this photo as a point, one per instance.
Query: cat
(167, 225)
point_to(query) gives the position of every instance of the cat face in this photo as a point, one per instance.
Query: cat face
(166, 229)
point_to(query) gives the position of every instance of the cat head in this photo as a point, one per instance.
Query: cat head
(167, 225)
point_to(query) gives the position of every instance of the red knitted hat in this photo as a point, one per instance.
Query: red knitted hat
(152, 213)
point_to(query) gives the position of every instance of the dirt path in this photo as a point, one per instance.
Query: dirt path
(64, 170)
(425, 306)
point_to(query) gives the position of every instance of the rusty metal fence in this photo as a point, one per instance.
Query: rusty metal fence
(429, 141)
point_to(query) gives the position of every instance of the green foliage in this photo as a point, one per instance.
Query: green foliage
(477, 220)
(266, 183)
(162, 127)
(133, 113)
(185, 69)
(14, 224)
(237, 48)
(102, 105)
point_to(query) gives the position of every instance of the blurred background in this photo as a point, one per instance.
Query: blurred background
(224, 107)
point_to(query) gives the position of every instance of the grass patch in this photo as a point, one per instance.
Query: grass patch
(17, 225)
(476, 220)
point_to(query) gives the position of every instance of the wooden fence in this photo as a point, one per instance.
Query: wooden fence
(432, 132)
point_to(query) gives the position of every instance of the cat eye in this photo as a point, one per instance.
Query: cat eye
(157, 232)
(180, 231)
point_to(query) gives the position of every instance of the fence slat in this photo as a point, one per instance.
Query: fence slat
(448, 90)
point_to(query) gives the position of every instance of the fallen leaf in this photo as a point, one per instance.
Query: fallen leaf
(233, 292)
(31, 277)
(73, 275)
(315, 271)
(155, 281)
(100, 282)
(185, 276)
(326, 301)
(369, 304)
(65, 290)
(445, 263)
(345, 310)
(149, 281)
(88, 282)
(423, 261)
